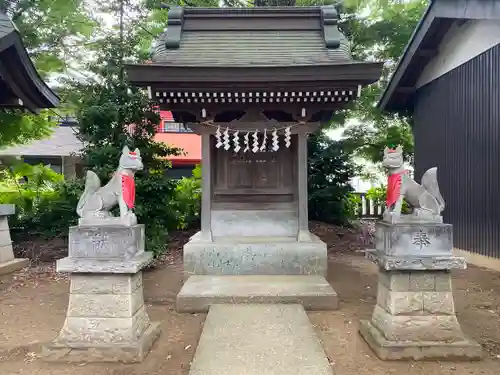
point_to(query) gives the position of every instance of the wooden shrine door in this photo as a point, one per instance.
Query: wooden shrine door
(266, 176)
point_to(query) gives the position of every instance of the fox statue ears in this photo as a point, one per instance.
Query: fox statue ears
(397, 150)
(126, 151)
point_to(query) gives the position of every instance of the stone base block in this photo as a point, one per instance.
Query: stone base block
(201, 292)
(409, 239)
(105, 266)
(13, 265)
(417, 327)
(414, 318)
(134, 351)
(105, 221)
(250, 223)
(106, 321)
(255, 257)
(106, 242)
(415, 262)
(7, 209)
(466, 349)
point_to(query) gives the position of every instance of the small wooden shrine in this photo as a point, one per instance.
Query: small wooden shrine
(21, 88)
(254, 82)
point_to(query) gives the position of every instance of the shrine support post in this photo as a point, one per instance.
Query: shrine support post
(303, 234)
(206, 187)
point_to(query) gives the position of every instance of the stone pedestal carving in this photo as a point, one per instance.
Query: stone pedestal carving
(8, 263)
(106, 319)
(414, 317)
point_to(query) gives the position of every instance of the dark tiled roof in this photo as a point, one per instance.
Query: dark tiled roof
(241, 48)
(62, 142)
(6, 26)
(255, 36)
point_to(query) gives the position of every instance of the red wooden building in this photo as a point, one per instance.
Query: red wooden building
(175, 134)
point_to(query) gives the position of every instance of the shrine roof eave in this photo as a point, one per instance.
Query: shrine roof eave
(19, 74)
(191, 77)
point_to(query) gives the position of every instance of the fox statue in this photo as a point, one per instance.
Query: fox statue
(96, 201)
(426, 198)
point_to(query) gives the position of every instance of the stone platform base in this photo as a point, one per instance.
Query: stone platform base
(254, 256)
(106, 320)
(200, 292)
(258, 340)
(13, 265)
(419, 350)
(106, 352)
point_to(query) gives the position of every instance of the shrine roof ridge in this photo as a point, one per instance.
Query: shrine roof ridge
(256, 11)
(273, 36)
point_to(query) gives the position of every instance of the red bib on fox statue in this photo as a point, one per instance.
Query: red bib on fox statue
(128, 190)
(394, 188)
(394, 180)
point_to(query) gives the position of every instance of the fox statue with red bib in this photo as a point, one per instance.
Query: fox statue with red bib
(96, 201)
(425, 199)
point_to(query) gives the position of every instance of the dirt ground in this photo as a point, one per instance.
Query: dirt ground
(33, 305)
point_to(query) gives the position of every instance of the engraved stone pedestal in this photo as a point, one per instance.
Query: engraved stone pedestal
(106, 319)
(415, 314)
(8, 263)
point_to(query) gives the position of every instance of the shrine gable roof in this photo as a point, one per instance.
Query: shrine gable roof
(244, 45)
(257, 37)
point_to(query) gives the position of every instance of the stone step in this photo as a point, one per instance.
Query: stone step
(201, 291)
(259, 340)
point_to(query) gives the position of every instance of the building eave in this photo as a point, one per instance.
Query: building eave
(435, 22)
(408, 53)
(22, 78)
(189, 77)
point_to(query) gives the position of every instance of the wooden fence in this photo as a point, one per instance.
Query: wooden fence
(368, 208)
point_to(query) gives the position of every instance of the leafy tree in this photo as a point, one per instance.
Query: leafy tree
(112, 113)
(17, 129)
(380, 35)
(51, 29)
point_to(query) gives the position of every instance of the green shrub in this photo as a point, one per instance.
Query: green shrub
(157, 209)
(329, 172)
(378, 194)
(353, 203)
(42, 199)
(56, 212)
(188, 197)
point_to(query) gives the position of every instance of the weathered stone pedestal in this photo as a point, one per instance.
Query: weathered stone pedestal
(415, 314)
(106, 319)
(8, 263)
